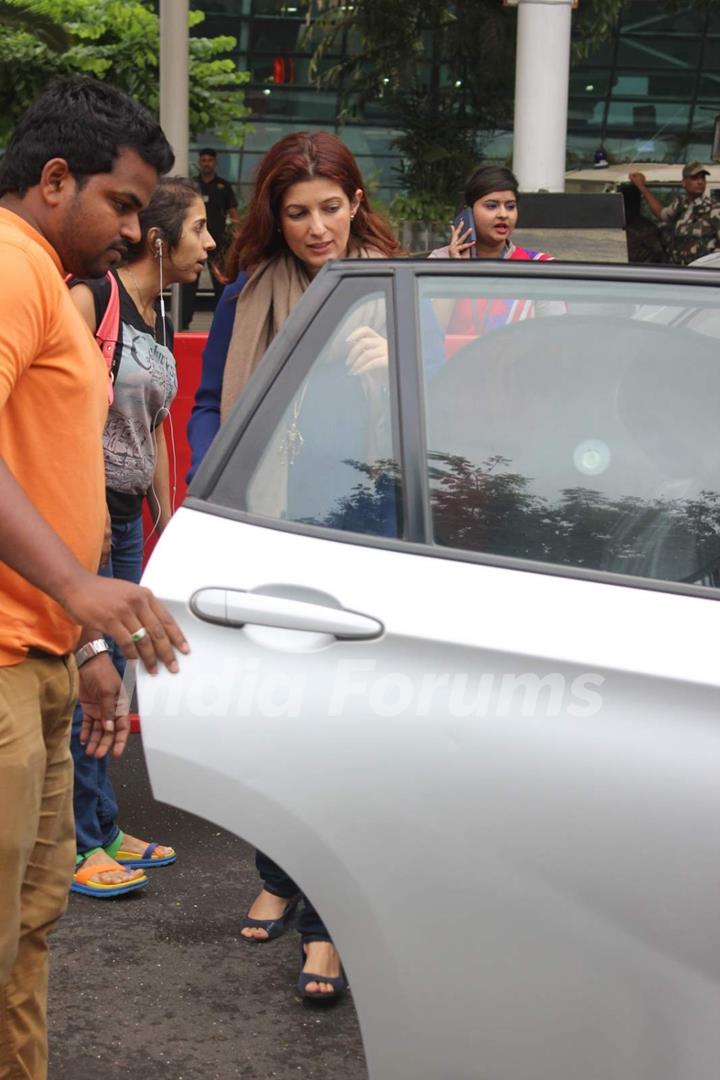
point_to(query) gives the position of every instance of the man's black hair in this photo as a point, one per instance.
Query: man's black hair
(86, 123)
(207, 150)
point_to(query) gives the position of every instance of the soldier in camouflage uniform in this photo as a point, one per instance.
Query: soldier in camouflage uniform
(690, 224)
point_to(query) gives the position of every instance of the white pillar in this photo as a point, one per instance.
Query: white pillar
(174, 85)
(174, 95)
(541, 94)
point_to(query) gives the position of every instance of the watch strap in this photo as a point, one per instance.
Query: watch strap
(89, 650)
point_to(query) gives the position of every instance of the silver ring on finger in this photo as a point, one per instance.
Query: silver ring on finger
(139, 634)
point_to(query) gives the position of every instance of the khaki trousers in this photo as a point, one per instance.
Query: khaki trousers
(37, 849)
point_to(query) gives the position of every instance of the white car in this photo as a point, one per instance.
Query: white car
(454, 632)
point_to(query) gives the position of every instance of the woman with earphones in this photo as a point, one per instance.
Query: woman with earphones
(173, 248)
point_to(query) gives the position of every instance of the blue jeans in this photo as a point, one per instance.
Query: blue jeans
(276, 881)
(94, 799)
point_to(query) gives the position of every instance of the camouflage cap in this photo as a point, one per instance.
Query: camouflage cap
(694, 168)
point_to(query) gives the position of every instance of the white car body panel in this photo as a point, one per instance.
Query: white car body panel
(574, 942)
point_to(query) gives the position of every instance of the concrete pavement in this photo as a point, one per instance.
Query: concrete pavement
(159, 983)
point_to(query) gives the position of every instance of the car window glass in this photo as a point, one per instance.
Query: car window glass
(576, 423)
(328, 458)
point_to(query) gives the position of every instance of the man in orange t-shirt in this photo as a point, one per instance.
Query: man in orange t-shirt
(80, 165)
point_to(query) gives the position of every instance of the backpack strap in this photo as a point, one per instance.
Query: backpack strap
(107, 334)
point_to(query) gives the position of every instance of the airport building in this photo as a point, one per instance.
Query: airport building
(650, 93)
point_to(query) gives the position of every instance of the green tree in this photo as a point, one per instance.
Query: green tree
(17, 16)
(117, 40)
(444, 69)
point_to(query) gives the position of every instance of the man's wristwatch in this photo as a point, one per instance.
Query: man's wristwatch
(92, 648)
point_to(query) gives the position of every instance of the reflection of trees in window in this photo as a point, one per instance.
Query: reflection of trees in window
(372, 506)
(488, 508)
(483, 509)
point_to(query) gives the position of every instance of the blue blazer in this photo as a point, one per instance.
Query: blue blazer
(204, 421)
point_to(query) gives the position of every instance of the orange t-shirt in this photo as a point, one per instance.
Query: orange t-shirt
(53, 407)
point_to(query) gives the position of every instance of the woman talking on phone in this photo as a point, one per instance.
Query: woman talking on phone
(485, 228)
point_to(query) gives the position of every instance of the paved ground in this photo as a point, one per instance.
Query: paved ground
(159, 984)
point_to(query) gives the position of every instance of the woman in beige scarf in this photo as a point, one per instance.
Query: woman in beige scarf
(308, 206)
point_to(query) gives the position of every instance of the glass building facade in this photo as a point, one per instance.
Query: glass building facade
(651, 93)
(282, 96)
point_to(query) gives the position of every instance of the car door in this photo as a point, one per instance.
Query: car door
(453, 632)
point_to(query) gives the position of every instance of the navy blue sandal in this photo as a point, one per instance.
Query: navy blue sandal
(339, 983)
(274, 928)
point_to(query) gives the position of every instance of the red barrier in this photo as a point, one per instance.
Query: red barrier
(188, 356)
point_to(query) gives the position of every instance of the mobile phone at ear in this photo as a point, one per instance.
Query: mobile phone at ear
(466, 221)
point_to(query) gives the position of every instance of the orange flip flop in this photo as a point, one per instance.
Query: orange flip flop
(81, 882)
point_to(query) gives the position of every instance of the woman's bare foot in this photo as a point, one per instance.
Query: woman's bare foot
(265, 906)
(321, 958)
(138, 847)
(122, 876)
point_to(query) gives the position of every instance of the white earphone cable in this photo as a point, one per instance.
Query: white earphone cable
(158, 418)
(172, 466)
(159, 249)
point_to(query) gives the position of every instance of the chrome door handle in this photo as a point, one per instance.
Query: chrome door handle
(233, 607)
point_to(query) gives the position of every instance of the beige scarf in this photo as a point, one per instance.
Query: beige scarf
(267, 298)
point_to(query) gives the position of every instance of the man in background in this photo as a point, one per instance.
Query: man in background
(690, 224)
(220, 204)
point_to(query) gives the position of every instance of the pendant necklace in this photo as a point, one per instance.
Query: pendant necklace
(142, 308)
